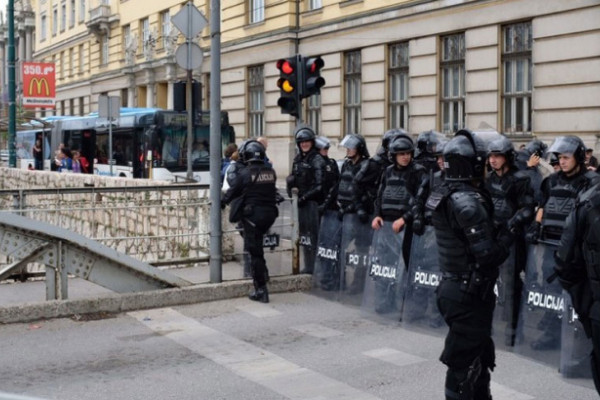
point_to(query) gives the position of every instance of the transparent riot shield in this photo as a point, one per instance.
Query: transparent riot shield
(508, 290)
(385, 283)
(542, 307)
(420, 307)
(277, 244)
(354, 260)
(308, 223)
(575, 361)
(326, 276)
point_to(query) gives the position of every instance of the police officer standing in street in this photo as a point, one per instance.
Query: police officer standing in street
(469, 254)
(559, 192)
(255, 182)
(578, 268)
(514, 205)
(331, 176)
(307, 176)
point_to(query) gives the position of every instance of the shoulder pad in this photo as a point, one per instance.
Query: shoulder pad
(437, 197)
(468, 208)
(593, 177)
(591, 197)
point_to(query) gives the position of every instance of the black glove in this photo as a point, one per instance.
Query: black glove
(279, 198)
(418, 226)
(533, 232)
(223, 205)
(363, 217)
(302, 201)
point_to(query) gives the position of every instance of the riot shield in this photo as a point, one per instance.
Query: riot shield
(326, 276)
(542, 307)
(508, 290)
(308, 224)
(420, 307)
(354, 260)
(385, 282)
(575, 361)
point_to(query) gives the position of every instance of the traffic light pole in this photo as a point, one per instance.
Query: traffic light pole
(12, 110)
(300, 75)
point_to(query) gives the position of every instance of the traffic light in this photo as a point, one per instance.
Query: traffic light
(288, 84)
(312, 80)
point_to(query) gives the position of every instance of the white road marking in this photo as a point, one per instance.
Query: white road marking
(259, 310)
(501, 392)
(393, 356)
(317, 330)
(246, 360)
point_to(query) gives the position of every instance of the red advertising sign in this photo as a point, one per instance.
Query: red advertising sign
(39, 85)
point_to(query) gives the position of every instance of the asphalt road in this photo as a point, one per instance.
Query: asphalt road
(297, 347)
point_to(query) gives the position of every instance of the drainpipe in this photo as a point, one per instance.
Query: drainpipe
(12, 111)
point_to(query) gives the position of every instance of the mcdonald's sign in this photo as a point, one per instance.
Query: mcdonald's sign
(39, 85)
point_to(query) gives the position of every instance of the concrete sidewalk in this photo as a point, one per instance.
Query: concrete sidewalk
(21, 302)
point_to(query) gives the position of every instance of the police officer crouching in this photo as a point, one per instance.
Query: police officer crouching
(255, 181)
(469, 254)
(578, 268)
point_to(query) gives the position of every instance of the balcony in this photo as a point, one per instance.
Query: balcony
(100, 20)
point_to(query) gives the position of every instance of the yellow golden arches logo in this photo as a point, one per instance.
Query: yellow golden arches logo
(39, 82)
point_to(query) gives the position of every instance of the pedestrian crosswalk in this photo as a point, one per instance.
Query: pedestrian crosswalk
(296, 380)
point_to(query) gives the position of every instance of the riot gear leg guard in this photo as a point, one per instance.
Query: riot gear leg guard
(461, 384)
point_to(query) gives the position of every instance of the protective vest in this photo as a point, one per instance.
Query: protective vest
(308, 174)
(561, 201)
(258, 180)
(347, 189)
(397, 195)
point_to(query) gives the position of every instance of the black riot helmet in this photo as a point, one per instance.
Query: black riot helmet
(465, 155)
(569, 145)
(321, 142)
(251, 151)
(553, 159)
(439, 148)
(401, 144)
(304, 133)
(503, 146)
(355, 141)
(428, 141)
(389, 136)
(536, 146)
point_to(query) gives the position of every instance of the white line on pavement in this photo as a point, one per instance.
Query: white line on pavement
(246, 360)
(259, 310)
(394, 356)
(502, 392)
(317, 330)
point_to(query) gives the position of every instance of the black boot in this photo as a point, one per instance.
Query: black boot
(261, 294)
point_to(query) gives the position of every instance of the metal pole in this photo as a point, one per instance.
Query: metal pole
(110, 154)
(188, 94)
(12, 111)
(216, 272)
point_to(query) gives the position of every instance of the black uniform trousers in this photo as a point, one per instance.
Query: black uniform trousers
(256, 224)
(596, 353)
(469, 318)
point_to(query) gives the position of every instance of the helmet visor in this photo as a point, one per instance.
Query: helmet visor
(565, 145)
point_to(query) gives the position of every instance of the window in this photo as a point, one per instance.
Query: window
(165, 23)
(126, 37)
(398, 81)
(257, 11)
(81, 105)
(54, 21)
(62, 65)
(256, 107)
(44, 27)
(71, 57)
(516, 78)
(63, 16)
(314, 4)
(72, 14)
(104, 50)
(124, 97)
(453, 82)
(82, 10)
(313, 115)
(352, 95)
(81, 59)
(145, 28)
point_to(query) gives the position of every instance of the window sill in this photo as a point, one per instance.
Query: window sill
(346, 3)
(254, 24)
(316, 11)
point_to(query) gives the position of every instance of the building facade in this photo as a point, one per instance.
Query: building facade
(523, 67)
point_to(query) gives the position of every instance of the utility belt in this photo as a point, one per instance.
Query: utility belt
(472, 282)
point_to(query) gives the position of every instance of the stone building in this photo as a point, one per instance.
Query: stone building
(523, 67)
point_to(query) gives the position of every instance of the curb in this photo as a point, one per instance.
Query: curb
(118, 303)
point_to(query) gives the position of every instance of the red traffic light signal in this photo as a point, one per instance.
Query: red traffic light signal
(288, 84)
(312, 82)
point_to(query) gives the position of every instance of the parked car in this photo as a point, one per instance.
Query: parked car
(4, 155)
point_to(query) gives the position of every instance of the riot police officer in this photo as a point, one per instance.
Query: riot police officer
(469, 254)
(255, 182)
(528, 161)
(514, 205)
(331, 175)
(381, 160)
(402, 193)
(307, 176)
(559, 192)
(427, 143)
(578, 268)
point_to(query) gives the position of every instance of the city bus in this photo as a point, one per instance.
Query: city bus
(146, 143)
